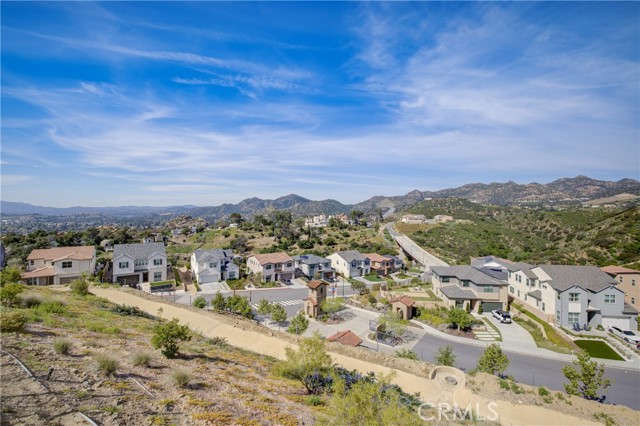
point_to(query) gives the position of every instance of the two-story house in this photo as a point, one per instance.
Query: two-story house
(465, 286)
(314, 267)
(571, 294)
(273, 266)
(628, 281)
(139, 263)
(59, 265)
(350, 263)
(212, 266)
(381, 265)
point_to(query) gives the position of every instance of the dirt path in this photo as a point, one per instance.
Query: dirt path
(238, 334)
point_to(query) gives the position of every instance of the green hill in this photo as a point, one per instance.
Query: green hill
(573, 236)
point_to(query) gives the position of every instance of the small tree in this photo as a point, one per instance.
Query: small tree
(480, 310)
(219, 303)
(299, 324)
(586, 377)
(446, 356)
(459, 318)
(264, 308)
(10, 274)
(9, 294)
(392, 323)
(278, 314)
(358, 286)
(310, 358)
(200, 302)
(493, 360)
(332, 306)
(166, 337)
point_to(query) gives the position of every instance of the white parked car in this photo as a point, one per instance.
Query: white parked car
(501, 316)
(626, 335)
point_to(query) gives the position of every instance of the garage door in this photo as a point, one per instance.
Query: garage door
(623, 323)
(490, 306)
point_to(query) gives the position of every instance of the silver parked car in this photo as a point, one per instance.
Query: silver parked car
(626, 335)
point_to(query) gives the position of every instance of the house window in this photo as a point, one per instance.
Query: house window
(123, 265)
(465, 283)
(543, 306)
(212, 265)
(31, 262)
(633, 282)
(620, 278)
(633, 300)
(157, 262)
(353, 263)
(488, 289)
(157, 276)
(558, 295)
(232, 275)
(289, 265)
(558, 316)
(609, 298)
(66, 265)
(511, 289)
(445, 279)
(267, 278)
(574, 297)
(528, 282)
(574, 317)
(267, 267)
(141, 262)
(518, 293)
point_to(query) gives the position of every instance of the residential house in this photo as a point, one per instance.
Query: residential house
(59, 265)
(316, 221)
(346, 338)
(571, 294)
(441, 218)
(212, 266)
(316, 297)
(382, 265)
(134, 264)
(273, 266)
(465, 286)
(350, 263)
(312, 266)
(628, 281)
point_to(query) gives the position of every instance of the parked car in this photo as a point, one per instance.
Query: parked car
(626, 335)
(501, 315)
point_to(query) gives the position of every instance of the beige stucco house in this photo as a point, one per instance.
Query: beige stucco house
(273, 266)
(59, 265)
(628, 281)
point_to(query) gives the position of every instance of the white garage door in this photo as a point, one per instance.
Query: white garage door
(623, 323)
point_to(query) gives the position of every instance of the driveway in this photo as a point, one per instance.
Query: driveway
(513, 335)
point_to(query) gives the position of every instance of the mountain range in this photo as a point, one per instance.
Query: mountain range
(562, 191)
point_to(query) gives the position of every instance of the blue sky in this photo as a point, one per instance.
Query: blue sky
(204, 103)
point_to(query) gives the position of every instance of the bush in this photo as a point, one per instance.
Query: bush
(62, 346)
(372, 299)
(299, 324)
(31, 301)
(12, 321)
(125, 310)
(106, 365)
(406, 353)
(180, 378)
(141, 359)
(493, 360)
(9, 294)
(480, 310)
(446, 356)
(80, 287)
(200, 302)
(166, 337)
(311, 359)
(375, 287)
(542, 391)
(52, 307)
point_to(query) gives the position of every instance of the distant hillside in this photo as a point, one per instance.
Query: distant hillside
(573, 235)
(9, 208)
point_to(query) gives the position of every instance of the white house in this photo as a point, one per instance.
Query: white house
(350, 263)
(211, 266)
(273, 266)
(139, 263)
(59, 265)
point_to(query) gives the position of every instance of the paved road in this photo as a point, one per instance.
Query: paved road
(534, 370)
(415, 251)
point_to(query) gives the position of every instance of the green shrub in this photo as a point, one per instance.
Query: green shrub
(166, 337)
(406, 353)
(480, 310)
(180, 378)
(12, 321)
(200, 302)
(52, 307)
(542, 391)
(62, 346)
(141, 359)
(31, 301)
(372, 299)
(314, 400)
(125, 310)
(106, 365)
(80, 287)
(9, 294)
(375, 287)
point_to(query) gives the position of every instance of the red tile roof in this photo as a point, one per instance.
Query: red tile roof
(405, 300)
(615, 270)
(280, 257)
(47, 271)
(347, 338)
(314, 302)
(313, 284)
(57, 253)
